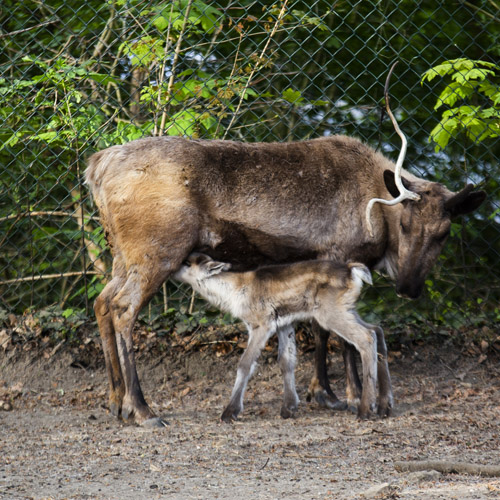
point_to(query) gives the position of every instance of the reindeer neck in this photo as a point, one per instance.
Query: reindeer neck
(392, 216)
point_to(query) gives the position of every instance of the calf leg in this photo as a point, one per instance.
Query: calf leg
(319, 388)
(287, 358)
(365, 340)
(348, 326)
(385, 396)
(258, 338)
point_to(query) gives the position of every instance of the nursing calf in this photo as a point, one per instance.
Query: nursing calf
(271, 298)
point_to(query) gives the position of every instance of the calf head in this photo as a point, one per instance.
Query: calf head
(198, 267)
(424, 225)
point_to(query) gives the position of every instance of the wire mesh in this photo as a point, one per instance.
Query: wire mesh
(80, 76)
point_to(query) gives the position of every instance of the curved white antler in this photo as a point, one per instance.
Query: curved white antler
(404, 194)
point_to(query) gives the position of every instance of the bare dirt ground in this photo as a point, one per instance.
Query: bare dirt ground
(58, 441)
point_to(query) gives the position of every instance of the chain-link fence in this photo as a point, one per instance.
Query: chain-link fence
(83, 75)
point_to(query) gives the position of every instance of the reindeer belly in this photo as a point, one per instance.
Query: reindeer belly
(248, 248)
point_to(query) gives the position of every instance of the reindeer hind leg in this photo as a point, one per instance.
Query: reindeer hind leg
(150, 262)
(108, 340)
(319, 388)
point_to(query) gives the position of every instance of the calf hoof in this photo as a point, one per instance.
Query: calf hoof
(229, 415)
(154, 423)
(364, 415)
(288, 412)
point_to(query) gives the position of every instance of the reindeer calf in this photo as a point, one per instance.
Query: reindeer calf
(271, 298)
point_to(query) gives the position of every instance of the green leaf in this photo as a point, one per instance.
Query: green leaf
(161, 23)
(490, 113)
(102, 79)
(471, 74)
(453, 92)
(67, 313)
(292, 96)
(443, 132)
(467, 67)
(46, 136)
(319, 102)
(439, 70)
(248, 93)
(144, 50)
(470, 79)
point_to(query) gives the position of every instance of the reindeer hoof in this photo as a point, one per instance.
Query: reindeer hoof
(154, 423)
(384, 411)
(115, 408)
(326, 401)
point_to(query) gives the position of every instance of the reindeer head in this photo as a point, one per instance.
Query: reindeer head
(424, 218)
(424, 226)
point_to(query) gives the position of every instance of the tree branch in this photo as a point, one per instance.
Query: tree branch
(447, 467)
(174, 64)
(257, 66)
(106, 33)
(56, 213)
(12, 33)
(49, 276)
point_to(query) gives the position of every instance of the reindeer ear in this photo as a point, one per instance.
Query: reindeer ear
(465, 201)
(390, 183)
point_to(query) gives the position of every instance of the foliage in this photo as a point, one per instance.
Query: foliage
(184, 319)
(79, 76)
(51, 325)
(472, 99)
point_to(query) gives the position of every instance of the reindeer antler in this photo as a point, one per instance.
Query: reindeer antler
(404, 194)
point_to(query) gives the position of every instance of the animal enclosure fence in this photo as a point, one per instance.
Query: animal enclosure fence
(80, 76)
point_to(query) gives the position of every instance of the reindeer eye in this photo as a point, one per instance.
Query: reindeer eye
(186, 263)
(403, 227)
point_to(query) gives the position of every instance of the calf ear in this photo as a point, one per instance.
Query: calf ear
(465, 201)
(215, 267)
(390, 183)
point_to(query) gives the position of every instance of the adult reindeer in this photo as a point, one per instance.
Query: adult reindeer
(161, 197)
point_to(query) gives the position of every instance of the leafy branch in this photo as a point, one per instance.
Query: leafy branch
(472, 99)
